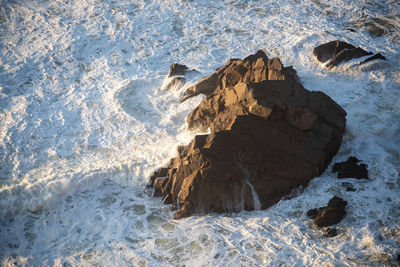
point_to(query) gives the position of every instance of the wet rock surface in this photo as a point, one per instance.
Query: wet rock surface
(330, 232)
(331, 214)
(336, 52)
(351, 169)
(269, 135)
(177, 75)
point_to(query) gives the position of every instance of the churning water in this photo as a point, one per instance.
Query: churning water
(84, 120)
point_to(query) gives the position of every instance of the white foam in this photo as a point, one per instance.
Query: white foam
(83, 122)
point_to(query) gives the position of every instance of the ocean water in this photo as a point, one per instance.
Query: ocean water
(84, 120)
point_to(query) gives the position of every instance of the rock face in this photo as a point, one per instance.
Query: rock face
(330, 214)
(351, 169)
(337, 52)
(268, 136)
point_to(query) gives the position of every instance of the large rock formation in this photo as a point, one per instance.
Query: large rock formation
(269, 135)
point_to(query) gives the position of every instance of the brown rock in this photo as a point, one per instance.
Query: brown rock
(161, 172)
(331, 214)
(325, 52)
(177, 70)
(177, 75)
(346, 55)
(267, 138)
(254, 68)
(374, 57)
(337, 52)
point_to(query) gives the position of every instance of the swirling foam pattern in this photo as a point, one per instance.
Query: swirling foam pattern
(83, 122)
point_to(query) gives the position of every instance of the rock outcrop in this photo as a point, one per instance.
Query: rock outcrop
(351, 169)
(336, 52)
(331, 214)
(269, 135)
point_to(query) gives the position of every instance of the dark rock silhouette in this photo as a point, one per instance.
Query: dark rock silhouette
(376, 56)
(179, 73)
(269, 135)
(337, 52)
(331, 214)
(351, 169)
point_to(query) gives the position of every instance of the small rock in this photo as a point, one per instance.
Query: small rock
(330, 232)
(351, 169)
(177, 70)
(376, 56)
(346, 55)
(327, 51)
(374, 29)
(177, 74)
(337, 52)
(349, 186)
(331, 214)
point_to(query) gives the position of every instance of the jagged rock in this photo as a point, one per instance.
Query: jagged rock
(346, 55)
(161, 172)
(376, 56)
(254, 68)
(177, 70)
(331, 214)
(267, 138)
(330, 232)
(351, 169)
(337, 52)
(176, 75)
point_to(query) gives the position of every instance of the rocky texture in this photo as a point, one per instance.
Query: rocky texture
(177, 75)
(327, 51)
(351, 169)
(331, 214)
(346, 55)
(254, 68)
(336, 52)
(268, 137)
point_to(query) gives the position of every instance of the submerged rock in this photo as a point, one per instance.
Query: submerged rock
(351, 169)
(349, 187)
(269, 135)
(336, 52)
(331, 214)
(374, 29)
(330, 232)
